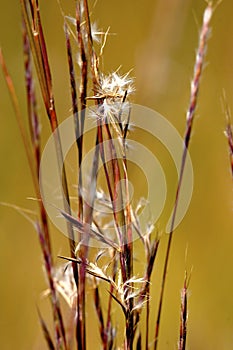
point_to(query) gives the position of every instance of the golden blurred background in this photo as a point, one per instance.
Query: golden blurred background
(158, 40)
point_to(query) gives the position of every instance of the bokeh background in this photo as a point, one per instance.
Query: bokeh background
(157, 39)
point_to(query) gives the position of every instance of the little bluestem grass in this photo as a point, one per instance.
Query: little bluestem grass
(110, 94)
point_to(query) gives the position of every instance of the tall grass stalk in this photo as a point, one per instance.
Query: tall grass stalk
(195, 85)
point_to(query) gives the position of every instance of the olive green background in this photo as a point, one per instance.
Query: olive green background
(158, 40)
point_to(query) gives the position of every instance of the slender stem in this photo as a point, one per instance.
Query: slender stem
(229, 135)
(189, 122)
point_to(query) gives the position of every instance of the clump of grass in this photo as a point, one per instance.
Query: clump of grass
(111, 96)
